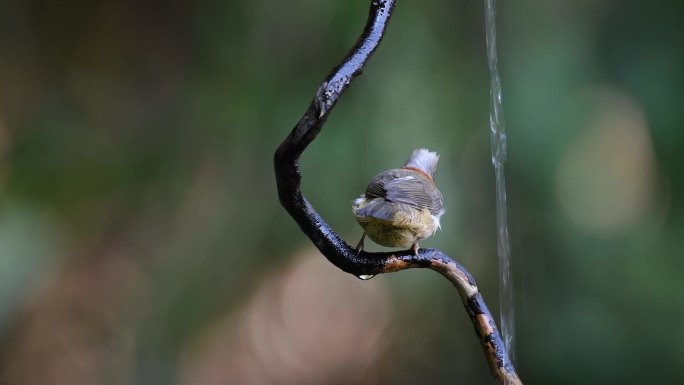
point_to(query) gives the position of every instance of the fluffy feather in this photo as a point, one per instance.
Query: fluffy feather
(424, 160)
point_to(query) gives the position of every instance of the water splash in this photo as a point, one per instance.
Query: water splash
(498, 141)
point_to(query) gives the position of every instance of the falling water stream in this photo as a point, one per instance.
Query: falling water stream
(498, 140)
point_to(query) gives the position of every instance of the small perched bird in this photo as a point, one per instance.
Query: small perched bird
(401, 206)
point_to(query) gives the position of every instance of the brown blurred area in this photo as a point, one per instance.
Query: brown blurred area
(141, 240)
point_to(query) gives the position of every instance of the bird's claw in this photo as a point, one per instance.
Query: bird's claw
(359, 246)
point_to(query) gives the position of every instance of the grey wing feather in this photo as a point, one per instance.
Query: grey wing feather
(378, 208)
(437, 204)
(376, 188)
(407, 187)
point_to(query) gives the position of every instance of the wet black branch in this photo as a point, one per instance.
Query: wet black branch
(334, 248)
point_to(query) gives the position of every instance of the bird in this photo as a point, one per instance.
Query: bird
(401, 206)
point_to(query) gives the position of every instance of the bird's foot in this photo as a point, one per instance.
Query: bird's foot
(415, 248)
(359, 246)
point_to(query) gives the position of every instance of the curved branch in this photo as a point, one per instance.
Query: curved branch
(334, 248)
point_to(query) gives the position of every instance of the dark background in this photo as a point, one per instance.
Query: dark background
(141, 241)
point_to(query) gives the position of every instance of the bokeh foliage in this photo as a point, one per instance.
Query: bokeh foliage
(141, 240)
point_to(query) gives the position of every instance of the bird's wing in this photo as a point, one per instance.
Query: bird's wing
(437, 204)
(407, 187)
(378, 208)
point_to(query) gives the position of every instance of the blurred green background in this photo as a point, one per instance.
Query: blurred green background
(141, 240)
